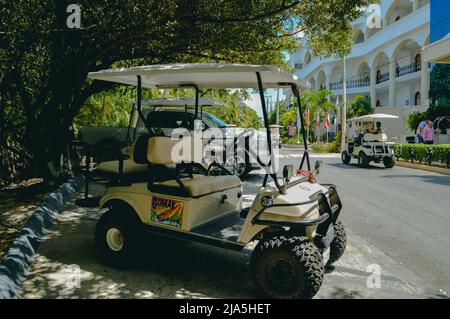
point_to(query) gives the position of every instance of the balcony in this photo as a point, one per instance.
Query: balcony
(351, 84)
(408, 69)
(384, 77)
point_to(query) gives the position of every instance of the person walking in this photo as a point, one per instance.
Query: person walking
(419, 129)
(428, 133)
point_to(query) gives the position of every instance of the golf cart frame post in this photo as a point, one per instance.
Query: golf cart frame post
(296, 93)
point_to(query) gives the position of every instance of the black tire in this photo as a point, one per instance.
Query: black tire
(345, 157)
(274, 257)
(389, 162)
(130, 232)
(337, 246)
(363, 160)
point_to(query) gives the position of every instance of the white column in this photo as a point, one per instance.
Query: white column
(415, 5)
(425, 83)
(373, 82)
(327, 84)
(392, 90)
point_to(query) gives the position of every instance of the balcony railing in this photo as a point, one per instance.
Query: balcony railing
(383, 77)
(351, 84)
(407, 69)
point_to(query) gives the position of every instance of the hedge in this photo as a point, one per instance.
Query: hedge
(423, 153)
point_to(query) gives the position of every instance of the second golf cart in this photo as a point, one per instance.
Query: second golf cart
(294, 219)
(366, 141)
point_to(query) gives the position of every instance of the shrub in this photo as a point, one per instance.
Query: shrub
(423, 153)
(333, 147)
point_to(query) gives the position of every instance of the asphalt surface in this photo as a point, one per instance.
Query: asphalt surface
(403, 212)
(397, 222)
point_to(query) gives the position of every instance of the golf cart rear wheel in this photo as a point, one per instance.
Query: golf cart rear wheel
(117, 238)
(389, 162)
(345, 157)
(337, 246)
(287, 268)
(363, 160)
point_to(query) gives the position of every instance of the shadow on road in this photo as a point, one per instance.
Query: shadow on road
(355, 166)
(435, 179)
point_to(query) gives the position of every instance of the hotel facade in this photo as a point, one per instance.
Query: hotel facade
(387, 62)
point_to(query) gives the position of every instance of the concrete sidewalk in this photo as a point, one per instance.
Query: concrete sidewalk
(192, 270)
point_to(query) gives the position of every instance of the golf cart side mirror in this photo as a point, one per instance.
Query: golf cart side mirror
(317, 166)
(288, 172)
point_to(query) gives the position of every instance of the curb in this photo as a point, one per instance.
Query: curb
(293, 146)
(18, 258)
(423, 167)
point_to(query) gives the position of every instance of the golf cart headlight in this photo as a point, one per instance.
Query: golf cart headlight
(267, 201)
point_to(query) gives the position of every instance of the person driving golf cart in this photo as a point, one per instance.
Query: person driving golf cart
(369, 142)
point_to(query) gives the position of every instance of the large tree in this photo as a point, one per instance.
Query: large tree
(44, 64)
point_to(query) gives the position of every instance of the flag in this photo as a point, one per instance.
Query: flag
(327, 122)
(307, 117)
(318, 120)
(299, 118)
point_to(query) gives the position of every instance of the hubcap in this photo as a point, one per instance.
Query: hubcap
(114, 239)
(282, 273)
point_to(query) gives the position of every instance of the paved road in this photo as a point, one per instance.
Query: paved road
(403, 212)
(397, 219)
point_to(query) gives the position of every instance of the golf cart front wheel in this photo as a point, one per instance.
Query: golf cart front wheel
(345, 157)
(337, 246)
(363, 160)
(287, 268)
(116, 238)
(389, 162)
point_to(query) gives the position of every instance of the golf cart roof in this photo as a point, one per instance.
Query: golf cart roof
(202, 75)
(373, 117)
(181, 102)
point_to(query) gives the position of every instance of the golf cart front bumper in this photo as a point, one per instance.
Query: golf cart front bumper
(329, 205)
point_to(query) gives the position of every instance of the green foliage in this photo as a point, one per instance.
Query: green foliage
(360, 106)
(414, 119)
(44, 65)
(440, 85)
(423, 153)
(316, 102)
(333, 147)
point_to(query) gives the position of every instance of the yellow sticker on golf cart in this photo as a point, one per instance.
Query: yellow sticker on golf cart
(167, 211)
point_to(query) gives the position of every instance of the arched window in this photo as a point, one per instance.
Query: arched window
(418, 61)
(417, 99)
(378, 104)
(378, 76)
(307, 58)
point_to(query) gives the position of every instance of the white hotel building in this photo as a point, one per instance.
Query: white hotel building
(387, 63)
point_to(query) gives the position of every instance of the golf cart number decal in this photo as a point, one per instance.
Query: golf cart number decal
(167, 211)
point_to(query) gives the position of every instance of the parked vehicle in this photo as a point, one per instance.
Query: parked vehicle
(167, 114)
(366, 141)
(295, 220)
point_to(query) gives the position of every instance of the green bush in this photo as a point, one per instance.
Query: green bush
(423, 153)
(333, 147)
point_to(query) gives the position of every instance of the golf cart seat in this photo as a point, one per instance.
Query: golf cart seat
(370, 137)
(129, 167)
(162, 153)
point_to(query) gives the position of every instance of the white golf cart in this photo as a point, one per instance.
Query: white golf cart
(295, 220)
(366, 141)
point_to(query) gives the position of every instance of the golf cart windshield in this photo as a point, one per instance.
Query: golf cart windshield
(215, 121)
